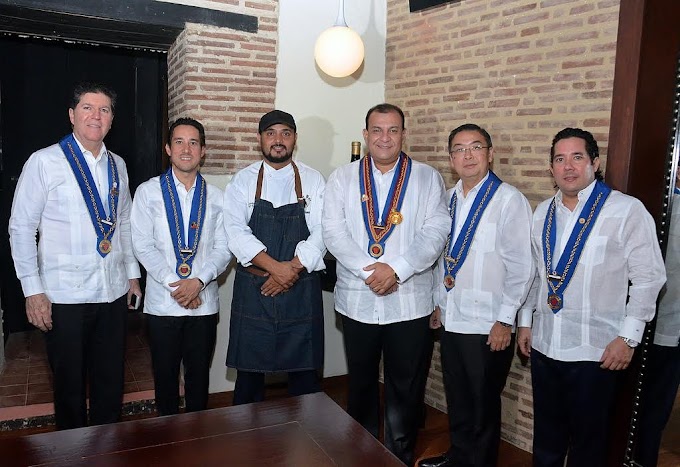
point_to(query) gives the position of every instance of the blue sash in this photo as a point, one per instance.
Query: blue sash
(455, 256)
(378, 228)
(185, 251)
(676, 190)
(103, 227)
(559, 278)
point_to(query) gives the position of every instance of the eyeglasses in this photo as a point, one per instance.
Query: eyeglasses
(476, 150)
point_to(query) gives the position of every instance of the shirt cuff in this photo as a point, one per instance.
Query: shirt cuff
(666, 341)
(247, 257)
(132, 270)
(205, 278)
(32, 285)
(169, 279)
(525, 317)
(632, 328)
(309, 257)
(402, 268)
(506, 315)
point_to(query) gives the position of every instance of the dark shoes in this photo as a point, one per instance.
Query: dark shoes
(439, 461)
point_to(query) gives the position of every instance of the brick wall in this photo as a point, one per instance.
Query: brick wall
(522, 69)
(226, 79)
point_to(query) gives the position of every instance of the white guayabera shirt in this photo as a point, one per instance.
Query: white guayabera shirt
(494, 280)
(598, 302)
(65, 264)
(411, 250)
(154, 247)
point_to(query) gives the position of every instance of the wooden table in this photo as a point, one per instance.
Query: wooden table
(309, 430)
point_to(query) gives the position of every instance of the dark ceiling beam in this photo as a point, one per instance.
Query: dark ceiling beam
(131, 23)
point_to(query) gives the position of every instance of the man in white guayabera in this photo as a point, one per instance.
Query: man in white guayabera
(598, 273)
(80, 276)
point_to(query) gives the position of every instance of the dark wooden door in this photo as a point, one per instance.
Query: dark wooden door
(36, 80)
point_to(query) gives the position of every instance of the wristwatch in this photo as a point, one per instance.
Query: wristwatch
(505, 325)
(630, 342)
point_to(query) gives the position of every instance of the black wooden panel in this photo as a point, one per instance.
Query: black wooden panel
(136, 23)
(417, 5)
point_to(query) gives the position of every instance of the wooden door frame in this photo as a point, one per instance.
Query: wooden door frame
(648, 46)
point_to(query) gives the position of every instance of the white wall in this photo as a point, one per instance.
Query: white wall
(329, 113)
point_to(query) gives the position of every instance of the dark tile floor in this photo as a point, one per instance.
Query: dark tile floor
(27, 379)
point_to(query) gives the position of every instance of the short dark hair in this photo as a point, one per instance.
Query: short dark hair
(190, 122)
(384, 109)
(97, 88)
(591, 145)
(470, 127)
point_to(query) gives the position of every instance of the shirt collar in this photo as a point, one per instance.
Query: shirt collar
(376, 171)
(474, 190)
(179, 184)
(283, 172)
(103, 153)
(582, 195)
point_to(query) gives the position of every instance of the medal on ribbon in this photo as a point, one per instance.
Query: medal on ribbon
(559, 277)
(104, 226)
(185, 249)
(380, 226)
(454, 256)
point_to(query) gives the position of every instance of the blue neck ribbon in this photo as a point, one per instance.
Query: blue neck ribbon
(185, 251)
(104, 227)
(455, 257)
(559, 277)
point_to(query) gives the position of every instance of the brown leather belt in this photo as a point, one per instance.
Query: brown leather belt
(254, 270)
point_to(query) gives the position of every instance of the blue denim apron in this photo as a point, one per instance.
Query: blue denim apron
(282, 333)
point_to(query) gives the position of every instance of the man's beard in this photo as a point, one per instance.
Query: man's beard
(277, 159)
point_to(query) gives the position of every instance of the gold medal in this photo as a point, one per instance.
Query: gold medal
(396, 217)
(376, 250)
(554, 302)
(184, 270)
(105, 246)
(449, 281)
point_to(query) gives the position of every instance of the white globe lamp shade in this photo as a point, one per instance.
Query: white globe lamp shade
(339, 51)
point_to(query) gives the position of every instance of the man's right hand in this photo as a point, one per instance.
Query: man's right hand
(39, 311)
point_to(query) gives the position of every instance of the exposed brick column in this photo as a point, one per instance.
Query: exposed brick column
(227, 80)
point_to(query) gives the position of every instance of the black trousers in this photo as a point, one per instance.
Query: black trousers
(662, 377)
(181, 339)
(572, 406)
(405, 347)
(474, 378)
(249, 385)
(86, 347)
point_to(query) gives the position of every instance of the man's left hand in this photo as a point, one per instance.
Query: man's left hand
(187, 290)
(617, 355)
(382, 281)
(499, 337)
(271, 288)
(134, 290)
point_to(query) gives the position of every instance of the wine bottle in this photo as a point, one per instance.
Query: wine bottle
(356, 151)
